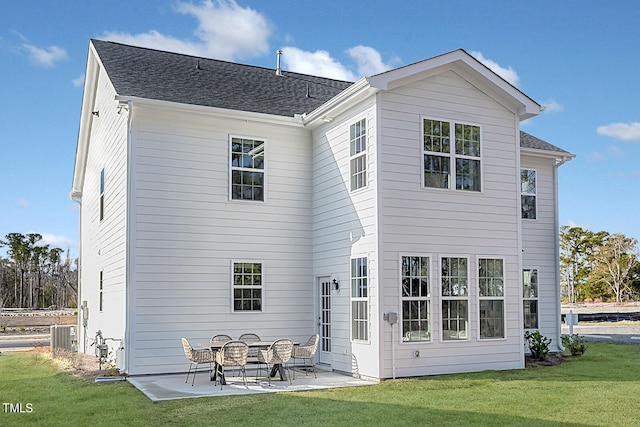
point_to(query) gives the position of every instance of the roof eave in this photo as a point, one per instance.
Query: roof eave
(329, 110)
(558, 155)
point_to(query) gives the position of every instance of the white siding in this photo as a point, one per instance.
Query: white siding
(344, 227)
(104, 242)
(416, 220)
(186, 231)
(539, 242)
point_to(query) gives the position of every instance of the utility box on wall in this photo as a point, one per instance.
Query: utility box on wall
(63, 337)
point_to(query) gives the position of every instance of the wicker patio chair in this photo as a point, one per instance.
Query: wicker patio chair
(279, 353)
(306, 352)
(196, 357)
(251, 337)
(232, 354)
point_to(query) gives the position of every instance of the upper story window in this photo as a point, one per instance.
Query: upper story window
(359, 300)
(455, 298)
(528, 193)
(416, 299)
(443, 160)
(358, 153)
(247, 169)
(491, 295)
(247, 286)
(101, 194)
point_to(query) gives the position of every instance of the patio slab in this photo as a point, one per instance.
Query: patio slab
(173, 386)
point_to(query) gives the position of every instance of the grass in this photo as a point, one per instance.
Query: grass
(600, 388)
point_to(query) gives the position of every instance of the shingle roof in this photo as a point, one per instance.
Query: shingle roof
(166, 76)
(530, 141)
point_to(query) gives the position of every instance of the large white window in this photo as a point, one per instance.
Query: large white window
(528, 193)
(247, 169)
(247, 286)
(454, 298)
(358, 152)
(359, 300)
(530, 298)
(101, 208)
(491, 297)
(416, 298)
(451, 165)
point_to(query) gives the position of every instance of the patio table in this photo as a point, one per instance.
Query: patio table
(277, 368)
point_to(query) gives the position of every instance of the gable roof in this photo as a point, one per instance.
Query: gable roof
(166, 76)
(530, 142)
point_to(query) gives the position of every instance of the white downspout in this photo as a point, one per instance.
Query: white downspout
(557, 246)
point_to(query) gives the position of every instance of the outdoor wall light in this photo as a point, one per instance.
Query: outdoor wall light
(336, 284)
(96, 113)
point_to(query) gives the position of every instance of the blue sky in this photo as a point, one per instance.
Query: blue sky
(578, 58)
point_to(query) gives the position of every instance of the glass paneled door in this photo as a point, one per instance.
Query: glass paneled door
(324, 319)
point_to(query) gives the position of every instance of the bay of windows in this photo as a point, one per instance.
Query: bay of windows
(359, 300)
(247, 169)
(416, 299)
(444, 161)
(491, 296)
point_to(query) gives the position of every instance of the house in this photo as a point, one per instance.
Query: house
(404, 217)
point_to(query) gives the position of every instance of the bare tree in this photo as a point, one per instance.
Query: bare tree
(614, 263)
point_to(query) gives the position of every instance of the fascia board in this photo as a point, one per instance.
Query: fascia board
(558, 155)
(339, 103)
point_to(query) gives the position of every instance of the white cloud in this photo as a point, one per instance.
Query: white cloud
(78, 81)
(318, 63)
(225, 31)
(552, 106)
(45, 57)
(54, 241)
(369, 60)
(623, 131)
(506, 73)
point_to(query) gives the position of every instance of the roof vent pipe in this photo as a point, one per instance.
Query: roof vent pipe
(278, 69)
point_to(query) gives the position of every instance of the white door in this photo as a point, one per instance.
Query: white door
(324, 319)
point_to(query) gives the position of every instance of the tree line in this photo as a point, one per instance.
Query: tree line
(598, 266)
(36, 276)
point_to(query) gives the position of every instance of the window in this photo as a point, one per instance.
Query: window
(247, 169)
(102, 194)
(247, 286)
(416, 299)
(100, 301)
(358, 143)
(530, 298)
(528, 193)
(359, 300)
(455, 299)
(491, 294)
(443, 160)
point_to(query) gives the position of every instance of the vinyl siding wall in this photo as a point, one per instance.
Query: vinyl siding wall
(104, 242)
(419, 221)
(186, 232)
(539, 242)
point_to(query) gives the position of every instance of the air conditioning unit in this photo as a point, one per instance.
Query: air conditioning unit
(63, 337)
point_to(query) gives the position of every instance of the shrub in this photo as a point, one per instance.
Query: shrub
(575, 344)
(538, 344)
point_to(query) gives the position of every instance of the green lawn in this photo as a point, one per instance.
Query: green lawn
(600, 388)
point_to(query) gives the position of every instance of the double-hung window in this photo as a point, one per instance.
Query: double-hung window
(359, 300)
(247, 286)
(451, 155)
(491, 296)
(101, 208)
(358, 152)
(530, 298)
(247, 169)
(454, 298)
(416, 299)
(100, 296)
(528, 193)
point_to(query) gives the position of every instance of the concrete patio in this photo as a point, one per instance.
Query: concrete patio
(173, 386)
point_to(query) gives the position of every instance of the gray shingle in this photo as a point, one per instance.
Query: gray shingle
(530, 141)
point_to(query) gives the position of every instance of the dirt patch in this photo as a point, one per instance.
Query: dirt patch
(81, 365)
(552, 360)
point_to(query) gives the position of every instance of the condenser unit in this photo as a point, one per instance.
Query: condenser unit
(63, 337)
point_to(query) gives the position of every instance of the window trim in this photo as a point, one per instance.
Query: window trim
(503, 298)
(232, 168)
(365, 300)
(429, 299)
(535, 195)
(466, 298)
(358, 154)
(452, 155)
(101, 292)
(537, 298)
(101, 195)
(262, 286)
